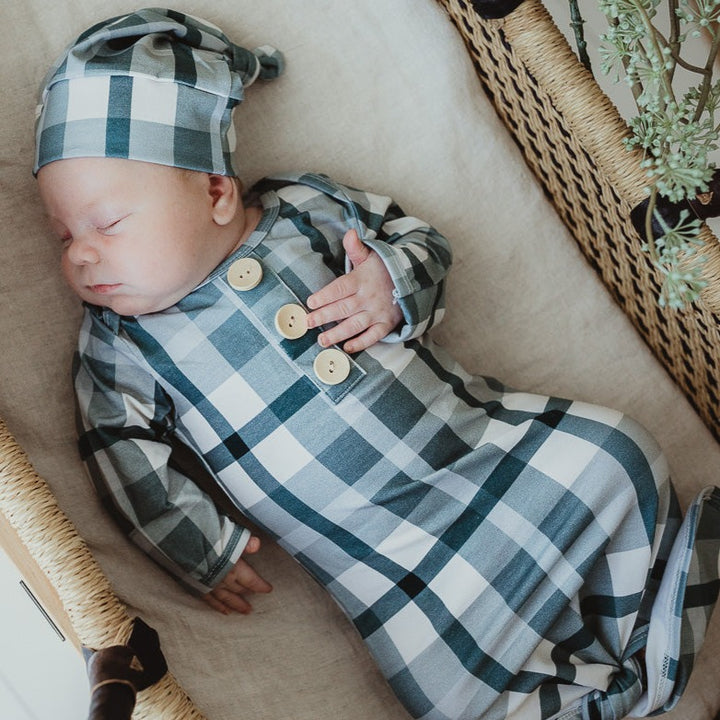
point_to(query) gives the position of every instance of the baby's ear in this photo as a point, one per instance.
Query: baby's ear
(225, 196)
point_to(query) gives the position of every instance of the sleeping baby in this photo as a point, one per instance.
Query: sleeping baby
(502, 554)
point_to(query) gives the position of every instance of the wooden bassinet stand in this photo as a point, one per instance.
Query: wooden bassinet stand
(571, 136)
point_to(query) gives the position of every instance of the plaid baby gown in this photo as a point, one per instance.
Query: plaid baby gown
(503, 554)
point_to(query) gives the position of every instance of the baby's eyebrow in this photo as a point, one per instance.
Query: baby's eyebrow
(98, 213)
(101, 212)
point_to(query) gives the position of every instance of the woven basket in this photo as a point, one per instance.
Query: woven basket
(571, 136)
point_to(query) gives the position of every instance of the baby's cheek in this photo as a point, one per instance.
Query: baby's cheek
(70, 277)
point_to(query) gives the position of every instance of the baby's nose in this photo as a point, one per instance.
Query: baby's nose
(81, 251)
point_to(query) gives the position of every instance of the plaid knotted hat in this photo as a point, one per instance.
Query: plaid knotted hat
(154, 85)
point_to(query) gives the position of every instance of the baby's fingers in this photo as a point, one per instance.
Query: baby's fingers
(348, 328)
(227, 602)
(373, 334)
(323, 300)
(357, 252)
(244, 578)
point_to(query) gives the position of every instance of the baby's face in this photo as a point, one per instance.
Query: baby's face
(136, 237)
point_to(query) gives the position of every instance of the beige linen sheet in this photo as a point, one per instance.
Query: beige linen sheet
(379, 94)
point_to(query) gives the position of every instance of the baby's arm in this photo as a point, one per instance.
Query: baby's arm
(229, 595)
(140, 467)
(361, 302)
(395, 303)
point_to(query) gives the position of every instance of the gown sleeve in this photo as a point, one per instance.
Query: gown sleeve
(418, 258)
(415, 254)
(126, 439)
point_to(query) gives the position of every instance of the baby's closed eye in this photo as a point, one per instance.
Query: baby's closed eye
(111, 226)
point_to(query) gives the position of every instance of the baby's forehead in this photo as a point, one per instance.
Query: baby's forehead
(96, 188)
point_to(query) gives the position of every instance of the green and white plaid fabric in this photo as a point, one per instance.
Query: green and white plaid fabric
(155, 85)
(504, 555)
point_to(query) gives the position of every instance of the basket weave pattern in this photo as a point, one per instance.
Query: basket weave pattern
(571, 137)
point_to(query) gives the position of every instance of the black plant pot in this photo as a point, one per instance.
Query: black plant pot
(703, 206)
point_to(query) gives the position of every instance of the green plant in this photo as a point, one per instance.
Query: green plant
(647, 43)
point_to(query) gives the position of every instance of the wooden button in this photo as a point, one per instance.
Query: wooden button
(244, 274)
(291, 321)
(331, 366)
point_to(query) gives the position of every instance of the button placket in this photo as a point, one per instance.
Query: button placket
(279, 310)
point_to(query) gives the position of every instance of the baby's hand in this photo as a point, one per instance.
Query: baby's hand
(229, 595)
(361, 302)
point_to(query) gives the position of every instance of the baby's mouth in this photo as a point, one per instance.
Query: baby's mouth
(104, 288)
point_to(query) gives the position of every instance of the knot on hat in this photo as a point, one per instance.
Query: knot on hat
(271, 62)
(155, 85)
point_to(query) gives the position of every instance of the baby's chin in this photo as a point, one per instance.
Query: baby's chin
(134, 308)
(125, 304)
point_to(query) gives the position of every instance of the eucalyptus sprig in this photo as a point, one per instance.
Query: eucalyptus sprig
(675, 126)
(676, 253)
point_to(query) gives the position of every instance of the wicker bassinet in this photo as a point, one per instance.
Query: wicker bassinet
(571, 137)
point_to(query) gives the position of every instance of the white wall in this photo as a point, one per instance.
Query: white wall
(42, 677)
